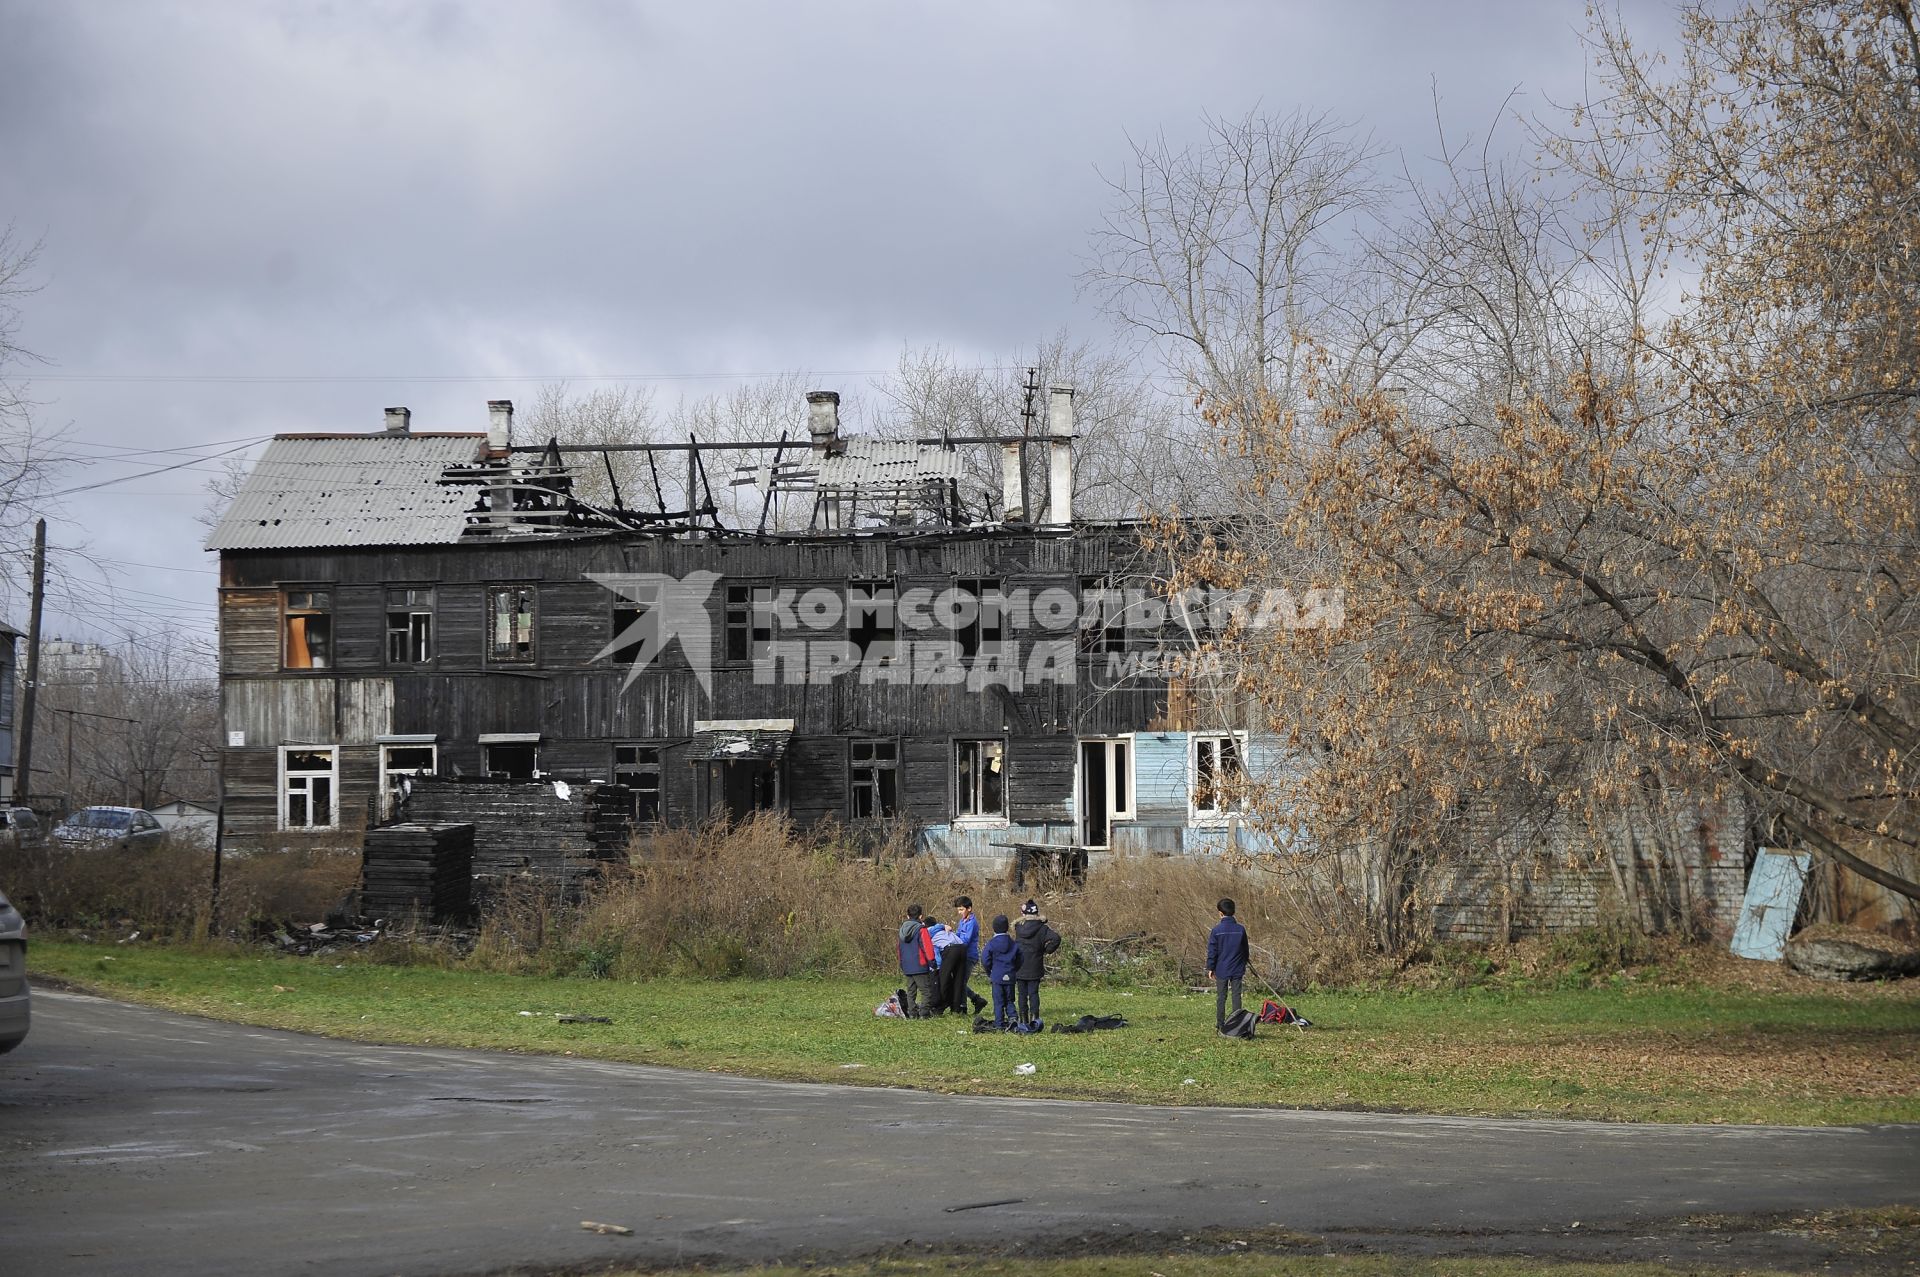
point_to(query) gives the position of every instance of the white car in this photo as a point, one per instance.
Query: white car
(21, 830)
(15, 1008)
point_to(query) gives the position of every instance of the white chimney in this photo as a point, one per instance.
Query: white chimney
(399, 420)
(499, 424)
(823, 419)
(1013, 484)
(1060, 454)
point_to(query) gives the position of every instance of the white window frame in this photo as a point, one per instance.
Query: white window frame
(1215, 815)
(1132, 769)
(386, 773)
(979, 820)
(332, 775)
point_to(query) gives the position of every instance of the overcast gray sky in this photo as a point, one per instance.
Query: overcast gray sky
(261, 217)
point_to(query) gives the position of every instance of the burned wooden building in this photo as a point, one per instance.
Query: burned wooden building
(866, 638)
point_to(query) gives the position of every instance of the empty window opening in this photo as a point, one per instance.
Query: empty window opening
(870, 618)
(409, 627)
(979, 774)
(636, 626)
(983, 617)
(517, 761)
(1219, 777)
(638, 768)
(875, 790)
(398, 763)
(749, 622)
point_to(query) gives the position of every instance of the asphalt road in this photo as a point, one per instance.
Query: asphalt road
(138, 1141)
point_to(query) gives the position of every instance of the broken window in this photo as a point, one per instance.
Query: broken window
(638, 768)
(982, 616)
(308, 629)
(980, 787)
(1102, 615)
(409, 627)
(636, 625)
(1219, 778)
(749, 622)
(514, 760)
(397, 763)
(875, 791)
(870, 618)
(510, 624)
(308, 782)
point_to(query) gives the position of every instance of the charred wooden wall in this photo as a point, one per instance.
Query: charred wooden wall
(582, 705)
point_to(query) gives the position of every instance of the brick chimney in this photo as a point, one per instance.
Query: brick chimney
(399, 421)
(1060, 454)
(499, 424)
(823, 419)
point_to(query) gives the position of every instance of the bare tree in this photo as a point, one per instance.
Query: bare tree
(1603, 539)
(618, 414)
(1136, 450)
(1226, 253)
(30, 456)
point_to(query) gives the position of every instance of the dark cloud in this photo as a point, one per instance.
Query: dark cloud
(519, 190)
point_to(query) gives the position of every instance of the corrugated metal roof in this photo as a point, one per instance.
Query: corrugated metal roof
(871, 463)
(380, 489)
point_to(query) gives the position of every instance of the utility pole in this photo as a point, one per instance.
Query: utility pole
(24, 770)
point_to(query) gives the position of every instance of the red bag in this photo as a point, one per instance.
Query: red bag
(1272, 1012)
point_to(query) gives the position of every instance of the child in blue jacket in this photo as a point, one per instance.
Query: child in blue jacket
(1000, 956)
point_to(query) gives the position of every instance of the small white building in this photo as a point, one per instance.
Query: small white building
(185, 816)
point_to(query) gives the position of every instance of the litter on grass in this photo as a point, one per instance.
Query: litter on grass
(1025, 1069)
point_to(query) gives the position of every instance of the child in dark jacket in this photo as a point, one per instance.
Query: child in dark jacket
(916, 964)
(1000, 956)
(1036, 940)
(1226, 962)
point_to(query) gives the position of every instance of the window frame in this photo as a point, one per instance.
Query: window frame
(885, 637)
(490, 642)
(739, 616)
(1108, 634)
(1215, 814)
(410, 635)
(638, 766)
(626, 611)
(387, 803)
(289, 611)
(977, 818)
(285, 793)
(989, 594)
(874, 768)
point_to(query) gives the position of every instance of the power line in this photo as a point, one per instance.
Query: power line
(126, 478)
(451, 379)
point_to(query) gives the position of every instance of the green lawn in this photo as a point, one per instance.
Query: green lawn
(1626, 1053)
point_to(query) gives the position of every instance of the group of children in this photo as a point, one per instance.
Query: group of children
(938, 961)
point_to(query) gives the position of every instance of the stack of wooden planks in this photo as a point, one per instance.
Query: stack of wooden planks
(420, 870)
(559, 833)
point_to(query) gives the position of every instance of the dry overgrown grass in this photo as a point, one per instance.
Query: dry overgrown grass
(762, 899)
(167, 892)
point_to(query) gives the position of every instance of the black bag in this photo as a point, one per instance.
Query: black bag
(1238, 1025)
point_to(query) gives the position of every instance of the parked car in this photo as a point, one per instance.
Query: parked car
(124, 828)
(20, 828)
(15, 1008)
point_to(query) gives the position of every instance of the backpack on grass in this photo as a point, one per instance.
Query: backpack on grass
(1272, 1012)
(1238, 1025)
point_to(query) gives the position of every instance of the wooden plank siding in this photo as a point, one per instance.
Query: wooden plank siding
(581, 706)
